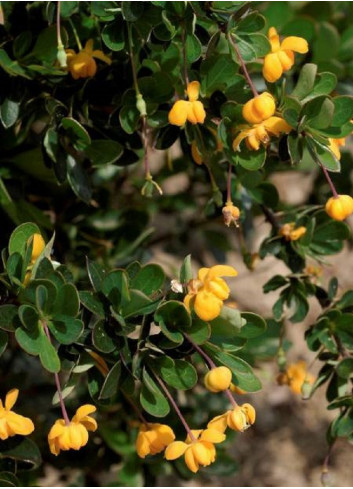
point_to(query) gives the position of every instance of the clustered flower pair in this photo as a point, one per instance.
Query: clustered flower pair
(296, 376)
(62, 436)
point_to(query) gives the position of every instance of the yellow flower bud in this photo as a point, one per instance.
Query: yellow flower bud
(38, 246)
(61, 56)
(290, 232)
(259, 108)
(141, 105)
(339, 207)
(218, 379)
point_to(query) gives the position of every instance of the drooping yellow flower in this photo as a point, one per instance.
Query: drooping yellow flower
(261, 133)
(335, 145)
(12, 424)
(259, 108)
(295, 376)
(339, 207)
(83, 64)
(191, 110)
(281, 57)
(153, 438)
(231, 214)
(200, 451)
(218, 379)
(239, 419)
(290, 233)
(208, 291)
(74, 435)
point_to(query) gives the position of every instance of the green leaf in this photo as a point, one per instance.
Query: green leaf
(68, 8)
(217, 73)
(101, 337)
(20, 236)
(132, 11)
(319, 112)
(151, 398)
(324, 85)
(255, 325)
(78, 180)
(199, 331)
(23, 451)
(3, 341)
(243, 375)
(35, 342)
(253, 22)
(251, 160)
(172, 317)
(45, 48)
(8, 313)
(13, 68)
(343, 112)
(48, 355)
(111, 383)
(306, 81)
(67, 301)
(193, 48)
(149, 279)
(345, 368)
(76, 133)
(178, 374)
(228, 323)
(8, 479)
(29, 316)
(113, 35)
(65, 329)
(90, 302)
(103, 152)
(96, 274)
(101, 9)
(115, 288)
(9, 112)
(323, 154)
(186, 270)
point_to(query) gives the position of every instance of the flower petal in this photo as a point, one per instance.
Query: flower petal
(213, 436)
(294, 43)
(207, 306)
(277, 125)
(193, 91)
(97, 53)
(19, 424)
(190, 460)
(286, 58)
(11, 398)
(178, 113)
(272, 69)
(222, 271)
(274, 39)
(83, 411)
(88, 46)
(175, 450)
(219, 423)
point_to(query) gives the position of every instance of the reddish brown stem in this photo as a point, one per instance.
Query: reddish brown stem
(243, 66)
(329, 181)
(58, 385)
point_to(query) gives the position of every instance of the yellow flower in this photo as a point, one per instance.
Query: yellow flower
(218, 379)
(231, 214)
(200, 451)
(82, 64)
(239, 419)
(339, 207)
(208, 291)
(153, 438)
(335, 146)
(261, 133)
(259, 108)
(295, 376)
(74, 435)
(12, 424)
(191, 110)
(290, 233)
(281, 57)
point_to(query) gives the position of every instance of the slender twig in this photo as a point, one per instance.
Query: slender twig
(135, 408)
(175, 406)
(57, 382)
(243, 65)
(201, 351)
(77, 39)
(131, 53)
(145, 147)
(185, 66)
(231, 398)
(329, 181)
(58, 29)
(229, 184)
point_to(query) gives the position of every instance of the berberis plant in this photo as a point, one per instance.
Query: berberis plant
(89, 322)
